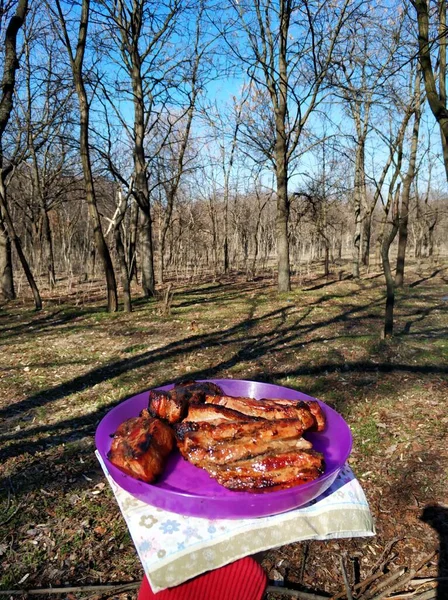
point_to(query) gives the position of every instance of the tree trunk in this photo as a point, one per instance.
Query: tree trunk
(146, 251)
(7, 231)
(7, 290)
(390, 284)
(132, 245)
(406, 194)
(125, 281)
(282, 218)
(389, 233)
(100, 242)
(436, 98)
(358, 204)
(76, 61)
(47, 247)
(18, 248)
(142, 194)
(366, 235)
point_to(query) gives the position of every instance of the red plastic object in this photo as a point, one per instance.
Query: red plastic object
(241, 580)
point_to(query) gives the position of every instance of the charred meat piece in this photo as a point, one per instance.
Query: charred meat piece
(202, 443)
(168, 406)
(208, 413)
(172, 405)
(273, 409)
(201, 387)
(269, 471)
(252, 445)
(208, 434)
(312, 405)
(141, 446)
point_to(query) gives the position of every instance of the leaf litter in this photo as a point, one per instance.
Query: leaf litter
(60, 525)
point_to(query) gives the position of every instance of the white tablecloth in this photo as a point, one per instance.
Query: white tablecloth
(174, 548)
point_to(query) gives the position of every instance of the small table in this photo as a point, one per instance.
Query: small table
(174, 548)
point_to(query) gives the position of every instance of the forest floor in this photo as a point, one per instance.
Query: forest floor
(63, 368)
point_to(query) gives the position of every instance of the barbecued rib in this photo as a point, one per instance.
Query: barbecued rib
(267, 409)
(278, 470)
(167, 406)
(199, 387)
(312, 405)
(172, 405)
(214, 413)
(208, 434)
(223, 453)
(283, 480)
(270, 462)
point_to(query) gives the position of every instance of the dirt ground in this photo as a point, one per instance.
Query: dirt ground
(62, 369)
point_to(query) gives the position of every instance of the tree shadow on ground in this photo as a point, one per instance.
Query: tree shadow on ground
(252, 345)
(325, 284)
(247, 342)
(437, 517)
(45, 322)
(424, 279)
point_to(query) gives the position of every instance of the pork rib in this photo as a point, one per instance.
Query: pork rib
(172, 405)
(208, 434)
(270, 471)
(312, 417)
(211, 413)
(226, 452)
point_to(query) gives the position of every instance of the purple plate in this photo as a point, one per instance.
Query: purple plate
(189, 490)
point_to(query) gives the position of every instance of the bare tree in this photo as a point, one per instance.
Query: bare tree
(44, 114)
(287, 52)
(6, 104)
(390, 200)
(360, 77)
(434, 51)
(179, 142)
(76, 53)
(408, 180)
(141, 31)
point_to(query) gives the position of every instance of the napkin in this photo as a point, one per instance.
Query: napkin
(174, 548)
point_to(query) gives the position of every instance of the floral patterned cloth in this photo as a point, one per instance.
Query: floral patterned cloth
(174, 548)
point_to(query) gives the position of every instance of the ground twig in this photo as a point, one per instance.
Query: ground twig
(115, 588)
(274, 589)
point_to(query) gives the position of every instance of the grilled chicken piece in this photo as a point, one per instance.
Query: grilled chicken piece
(172, 405)
(274, 409)
(141, 446)
(270, 471)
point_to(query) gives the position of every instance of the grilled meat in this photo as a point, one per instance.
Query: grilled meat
(211, 413)
(312, 405)
(203, 443)
(199, 387)
(269, 471)
(245, 444)
(141, 445)
(252, 445)
(208, 434)
(309, 413)
(228, 450)
(172, 405)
